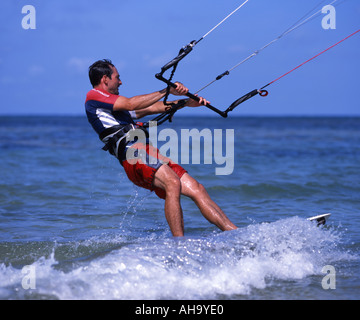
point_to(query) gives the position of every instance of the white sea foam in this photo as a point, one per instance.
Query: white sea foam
(230, 264)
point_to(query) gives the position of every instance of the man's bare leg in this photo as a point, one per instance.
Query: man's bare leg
(167, 179)
(209, 209)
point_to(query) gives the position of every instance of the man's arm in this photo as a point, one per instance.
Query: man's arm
(160, 107)
(157, 107)
(138, 102)
(146, 100)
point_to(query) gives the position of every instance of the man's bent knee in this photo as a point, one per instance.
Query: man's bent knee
(199, 191)
(193, 189)
(168, 180)
(173, 185)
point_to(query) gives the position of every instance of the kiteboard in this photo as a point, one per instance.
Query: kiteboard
(321, 219)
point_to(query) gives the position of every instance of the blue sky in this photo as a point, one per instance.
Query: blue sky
(44, 71)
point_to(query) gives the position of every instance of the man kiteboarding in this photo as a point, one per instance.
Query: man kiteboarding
(111, 116)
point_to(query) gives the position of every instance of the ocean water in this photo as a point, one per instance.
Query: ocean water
(73, 227)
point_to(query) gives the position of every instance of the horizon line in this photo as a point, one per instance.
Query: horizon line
(196, 115)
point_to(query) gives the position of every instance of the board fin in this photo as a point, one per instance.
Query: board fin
(321, 219)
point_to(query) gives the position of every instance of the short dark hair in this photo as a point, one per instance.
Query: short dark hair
(98, 69)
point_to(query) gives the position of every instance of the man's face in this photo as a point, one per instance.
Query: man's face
(114, 83)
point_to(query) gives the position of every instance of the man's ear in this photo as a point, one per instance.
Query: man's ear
(105, 79)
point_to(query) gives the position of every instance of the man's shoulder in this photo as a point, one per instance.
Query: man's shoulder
(101, 96)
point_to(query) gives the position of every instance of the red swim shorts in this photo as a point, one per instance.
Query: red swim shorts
(142, 171)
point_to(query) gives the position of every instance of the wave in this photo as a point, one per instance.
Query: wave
(229, 265)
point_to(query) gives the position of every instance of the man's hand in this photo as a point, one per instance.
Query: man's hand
(180, 90)
(193, 103)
